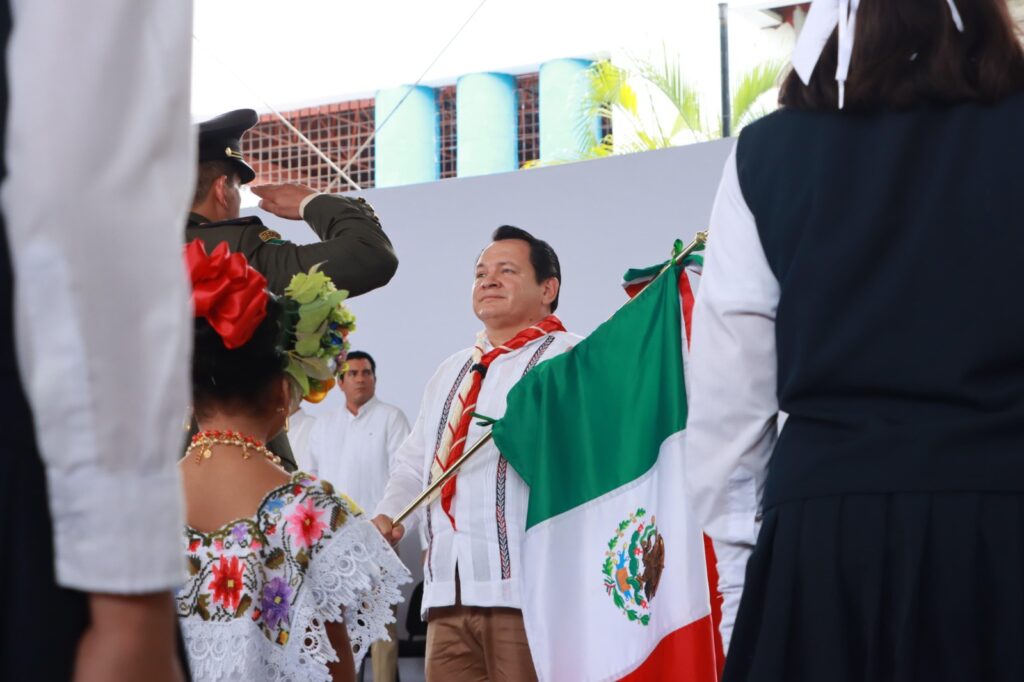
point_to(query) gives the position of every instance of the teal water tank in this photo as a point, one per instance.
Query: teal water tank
(407, 146)
(563, 88)
(486, 123)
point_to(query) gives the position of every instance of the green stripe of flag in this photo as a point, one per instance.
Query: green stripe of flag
(634, 274)
(593, 419)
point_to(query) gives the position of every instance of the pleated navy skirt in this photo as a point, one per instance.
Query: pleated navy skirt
(902, 587)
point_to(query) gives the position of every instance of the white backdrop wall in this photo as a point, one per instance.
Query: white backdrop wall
(602, 217)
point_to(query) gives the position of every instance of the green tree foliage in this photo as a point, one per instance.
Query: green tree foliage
(610, 93)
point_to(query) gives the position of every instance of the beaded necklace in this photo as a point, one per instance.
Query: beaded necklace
(204, 441)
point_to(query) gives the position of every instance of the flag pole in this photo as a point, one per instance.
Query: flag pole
(698, 241)
(443, 478)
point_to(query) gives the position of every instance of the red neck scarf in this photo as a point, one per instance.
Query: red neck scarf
(454, 440)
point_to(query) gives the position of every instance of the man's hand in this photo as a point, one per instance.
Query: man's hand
(130, 637)
(391, 532)
(283, 200)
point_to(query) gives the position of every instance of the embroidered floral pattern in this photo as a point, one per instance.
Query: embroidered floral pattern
(227, 582)
(305, 524)
(276, 602)
(239, 533)
(255, 568)
(261, 590)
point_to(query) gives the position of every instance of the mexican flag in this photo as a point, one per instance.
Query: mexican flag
(615, 573)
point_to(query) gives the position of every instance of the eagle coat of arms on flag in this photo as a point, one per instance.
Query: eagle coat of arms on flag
(633, 565)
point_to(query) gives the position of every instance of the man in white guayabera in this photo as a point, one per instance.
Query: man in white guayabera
(475, 525)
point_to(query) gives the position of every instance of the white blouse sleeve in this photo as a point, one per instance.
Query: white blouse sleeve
(731, 428)
(101, 165)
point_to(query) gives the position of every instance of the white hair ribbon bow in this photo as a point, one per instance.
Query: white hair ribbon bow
(823, 17)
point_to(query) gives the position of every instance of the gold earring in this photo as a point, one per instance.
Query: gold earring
(286, 423)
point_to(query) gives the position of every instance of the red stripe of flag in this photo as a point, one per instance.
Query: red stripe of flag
(686, 654)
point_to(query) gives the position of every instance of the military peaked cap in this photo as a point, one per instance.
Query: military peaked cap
(220, 139)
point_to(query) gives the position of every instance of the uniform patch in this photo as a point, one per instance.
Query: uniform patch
(270, 236)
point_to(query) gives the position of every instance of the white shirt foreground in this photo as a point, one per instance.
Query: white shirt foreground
(490, 499)
(355, 451)
(95, 202)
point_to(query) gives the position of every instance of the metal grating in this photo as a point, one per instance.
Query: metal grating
(447, 129)
(528, 87)
(339, 129)
(278, 155)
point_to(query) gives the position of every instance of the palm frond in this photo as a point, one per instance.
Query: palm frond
(667, 77)
(609, 94)
(607, 91)
(751, 87)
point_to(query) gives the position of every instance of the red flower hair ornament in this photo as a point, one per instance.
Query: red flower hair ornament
(229, 293)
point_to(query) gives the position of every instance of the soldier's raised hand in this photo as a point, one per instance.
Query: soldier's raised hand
(283, 200)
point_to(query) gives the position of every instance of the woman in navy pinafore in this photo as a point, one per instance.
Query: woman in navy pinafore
(865, 280)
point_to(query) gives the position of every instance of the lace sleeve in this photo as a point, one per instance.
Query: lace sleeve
(355, 577)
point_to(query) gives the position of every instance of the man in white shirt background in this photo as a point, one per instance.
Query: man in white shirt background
(353, 447)
(474, 528)
(299, 426)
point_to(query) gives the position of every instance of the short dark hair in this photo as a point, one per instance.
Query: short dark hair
(208, 172)
(363, 355)
(909, 53)
(542, 257)
(240, 379)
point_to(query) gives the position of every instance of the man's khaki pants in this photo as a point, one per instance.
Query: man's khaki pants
(475, 643)
(384, 655)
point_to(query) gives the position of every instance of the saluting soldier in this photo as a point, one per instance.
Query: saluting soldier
(353, 249)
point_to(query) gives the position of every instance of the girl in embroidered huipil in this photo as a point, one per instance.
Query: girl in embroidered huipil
(286, 581)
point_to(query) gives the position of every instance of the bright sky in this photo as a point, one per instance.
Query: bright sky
(301, 52)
